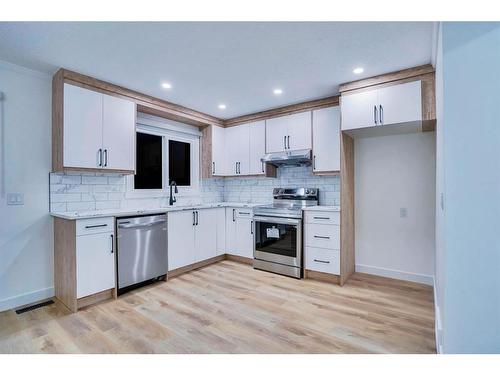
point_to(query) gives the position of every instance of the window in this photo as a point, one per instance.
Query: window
(149, 162)
(179, 162)
(165, 152)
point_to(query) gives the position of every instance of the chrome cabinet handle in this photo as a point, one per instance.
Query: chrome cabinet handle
(95, 226)
(320, 218)
(381, 114)
(194, 218)
(288, 142)
(234, 211)
(244, 213)
(314, 162)
(100, 157)
(105, 157)
(239, 167)
(322, 261)
(262, 167)
(251, 227)
(112, 244)
(213, 167)
(284, 142)
(375, 114)
(322, 237)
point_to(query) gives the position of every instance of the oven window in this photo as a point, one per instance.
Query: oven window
(280, 239)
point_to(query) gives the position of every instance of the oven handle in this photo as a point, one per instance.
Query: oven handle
(277, 220)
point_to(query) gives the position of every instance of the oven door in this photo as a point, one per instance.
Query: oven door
(278, 240)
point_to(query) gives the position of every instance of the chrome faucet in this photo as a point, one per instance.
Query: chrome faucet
(172, 199)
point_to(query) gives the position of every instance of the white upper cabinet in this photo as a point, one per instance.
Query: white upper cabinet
(326, 139)
(400, 103)
(291, 132)
(237, 150)
(98, 130)
(276, 132)
(118, 133)
(218, 154)
(257, 132)
(82, 144)
(395, 104)
(359, 110)
(299, 131)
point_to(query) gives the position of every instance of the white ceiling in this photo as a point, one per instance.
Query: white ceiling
(238, 64)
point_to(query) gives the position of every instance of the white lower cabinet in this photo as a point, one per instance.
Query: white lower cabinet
(205, 234)
(221, 231)
(239, 232)
(95, 257)
(180, 239)
(322, 241)
(192, 237)
(323, 260)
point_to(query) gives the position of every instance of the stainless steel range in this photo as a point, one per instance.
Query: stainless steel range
(278, 231)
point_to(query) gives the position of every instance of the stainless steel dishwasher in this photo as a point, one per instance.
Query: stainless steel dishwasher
(141, 249)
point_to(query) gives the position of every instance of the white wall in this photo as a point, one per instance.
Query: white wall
(391, 173)
(471, 165)
(26, 235)
(440, 187)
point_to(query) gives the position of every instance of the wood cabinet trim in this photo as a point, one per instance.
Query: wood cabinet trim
(65, 262)
(330, 101)
(347, 253)
(387, 78)
(145, 103)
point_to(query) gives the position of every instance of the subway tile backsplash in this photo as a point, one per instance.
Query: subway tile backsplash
(73, 191)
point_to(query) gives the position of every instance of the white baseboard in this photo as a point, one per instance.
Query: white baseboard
(396, 274)
(25, 299)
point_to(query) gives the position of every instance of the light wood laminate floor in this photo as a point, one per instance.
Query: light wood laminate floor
(229, 307)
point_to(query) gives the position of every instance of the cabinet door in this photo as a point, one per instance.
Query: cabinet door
(180, 239)
(238, 149)
(257, 147)
(244, 237)
(326, 139)
(95, 264)
(205, 235)
(221, 231)
(299, 131)
(118, 134)
(82, 127)
(359, 110)
(231, 231)
(276, 131)
(218, 151)
(400, 103)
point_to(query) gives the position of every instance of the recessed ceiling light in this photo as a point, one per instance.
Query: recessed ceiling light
(166, 85)
(277, 91)
(222, 106)
(358, 70)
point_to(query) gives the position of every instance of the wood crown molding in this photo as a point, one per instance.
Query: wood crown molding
(145, 103)
(386, 78)
(283, 111)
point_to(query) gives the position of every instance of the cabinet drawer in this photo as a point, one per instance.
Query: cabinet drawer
(323, 217)
(95, 225)
(323, 260)
(324, 236)
(243, 212)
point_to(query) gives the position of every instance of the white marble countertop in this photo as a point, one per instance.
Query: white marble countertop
(147, 211)
(322, 208)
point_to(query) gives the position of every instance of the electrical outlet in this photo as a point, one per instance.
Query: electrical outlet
(15, 199)
(403, 212)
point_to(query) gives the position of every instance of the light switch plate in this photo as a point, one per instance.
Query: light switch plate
(403, 212)
(15, 199)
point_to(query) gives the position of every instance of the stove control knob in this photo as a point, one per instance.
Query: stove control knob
(307, 191)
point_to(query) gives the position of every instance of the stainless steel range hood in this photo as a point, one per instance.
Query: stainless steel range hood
(288, 158)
